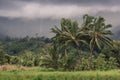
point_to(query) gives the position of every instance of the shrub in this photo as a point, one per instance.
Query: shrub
(112, 63)
(98, 63)
(101, 62)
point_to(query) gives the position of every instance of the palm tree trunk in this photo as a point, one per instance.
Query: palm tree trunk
(79, 53)
(90, 59)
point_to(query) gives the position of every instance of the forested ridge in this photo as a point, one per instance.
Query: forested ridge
(74, 46)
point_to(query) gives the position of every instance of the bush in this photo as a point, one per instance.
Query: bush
(82, 64)
(98, 63)
(30, 63)
(112, 63)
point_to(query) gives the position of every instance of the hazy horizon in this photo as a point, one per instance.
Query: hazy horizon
(19, 18)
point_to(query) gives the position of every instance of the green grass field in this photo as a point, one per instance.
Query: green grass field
(40, 75)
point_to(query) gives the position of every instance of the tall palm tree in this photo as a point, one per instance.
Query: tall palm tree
(69, 33)
(98, 31)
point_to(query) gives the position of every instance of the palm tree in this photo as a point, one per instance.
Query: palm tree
(97, 33)
(68, 34)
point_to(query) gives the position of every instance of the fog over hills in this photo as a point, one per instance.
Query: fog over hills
(19, 18)
(116, 32)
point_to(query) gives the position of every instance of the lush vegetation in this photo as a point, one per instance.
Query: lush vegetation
(40, 75)
(74, 47)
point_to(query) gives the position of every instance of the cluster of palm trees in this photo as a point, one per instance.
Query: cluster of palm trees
(93, 33)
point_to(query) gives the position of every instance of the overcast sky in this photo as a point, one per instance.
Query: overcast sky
(19, 18)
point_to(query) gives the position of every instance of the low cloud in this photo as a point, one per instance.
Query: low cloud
(36, 11)
(19, 18)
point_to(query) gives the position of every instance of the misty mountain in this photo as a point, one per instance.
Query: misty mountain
(116, 32)
(2, 36)
(115, 36)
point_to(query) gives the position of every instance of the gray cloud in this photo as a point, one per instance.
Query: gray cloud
(81, 2)
(14, 3)
(37, 10)
(33, 9)
(21, 28)
(27, 17)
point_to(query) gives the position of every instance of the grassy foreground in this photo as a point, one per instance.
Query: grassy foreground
(39, 75)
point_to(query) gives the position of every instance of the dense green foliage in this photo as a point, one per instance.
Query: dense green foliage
(73, 47)
(22, 51)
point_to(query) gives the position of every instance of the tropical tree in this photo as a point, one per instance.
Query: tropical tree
(68, 34)
(51, 58)
(98, 31)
